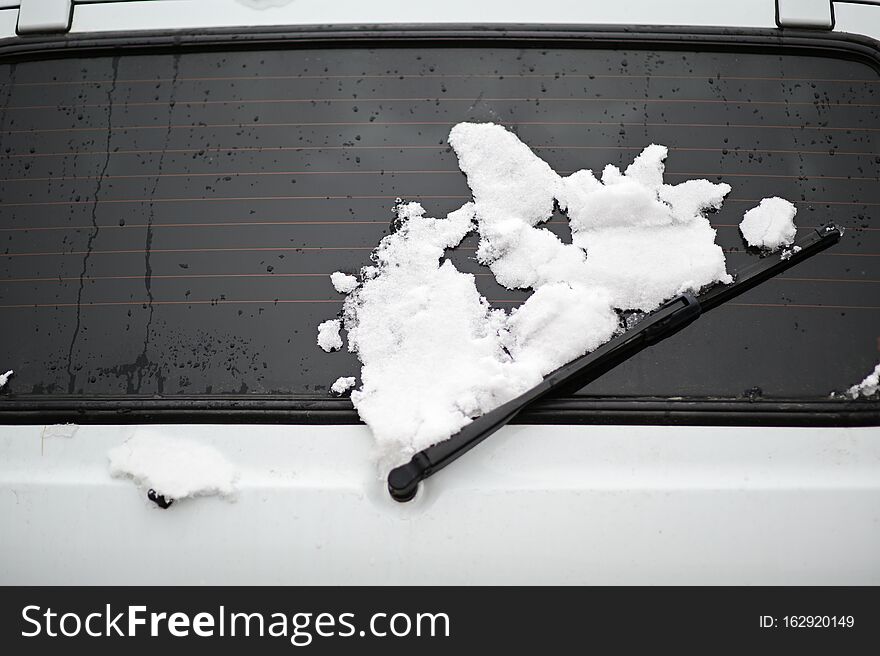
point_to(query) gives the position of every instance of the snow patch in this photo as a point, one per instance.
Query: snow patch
(342, 384)
(175, 468)
(867, 387)
(328, 335)
(558, 323)
(435, 354)
(429, 343)
(60, 430)
(4, 378)
(514, 190)
(645, 241)
(770, 225)
(342, 282)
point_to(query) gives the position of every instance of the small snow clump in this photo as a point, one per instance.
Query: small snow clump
(867, 387)
(342, 282)
(328, 335)
(342, 384)
(175, 468)
(770, 225)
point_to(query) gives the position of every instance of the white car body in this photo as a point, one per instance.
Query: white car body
(560, 504)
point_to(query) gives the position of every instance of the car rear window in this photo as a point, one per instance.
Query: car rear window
(170, 221)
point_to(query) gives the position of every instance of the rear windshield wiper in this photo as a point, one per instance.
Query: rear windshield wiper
(671, 317)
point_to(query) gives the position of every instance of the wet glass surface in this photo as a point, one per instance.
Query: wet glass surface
(169, 223)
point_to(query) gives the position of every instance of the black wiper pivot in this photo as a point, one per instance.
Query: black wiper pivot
(667, 320)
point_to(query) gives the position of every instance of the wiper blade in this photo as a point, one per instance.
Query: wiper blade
(667, 320)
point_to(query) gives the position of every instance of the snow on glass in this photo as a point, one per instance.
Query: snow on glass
(435, 354)
(328, 335)
(868, 387)
(770, 225)
(343, 384)
(342, 282)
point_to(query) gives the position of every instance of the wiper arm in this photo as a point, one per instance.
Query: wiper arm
(667, 320)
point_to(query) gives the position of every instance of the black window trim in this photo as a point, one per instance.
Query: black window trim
(308, 410)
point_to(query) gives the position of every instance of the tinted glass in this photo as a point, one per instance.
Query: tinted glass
(169, 222)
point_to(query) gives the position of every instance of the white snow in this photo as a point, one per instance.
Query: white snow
(174, 467)
(342, 384)
(770, 225)
(342, 282)
(557, 324)
(513, 191)
(867, 387)
(429, 343)
(4, 378)
(434, 353)
(788, 252)
(645, 241)
(59, 430)
(328, 335)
